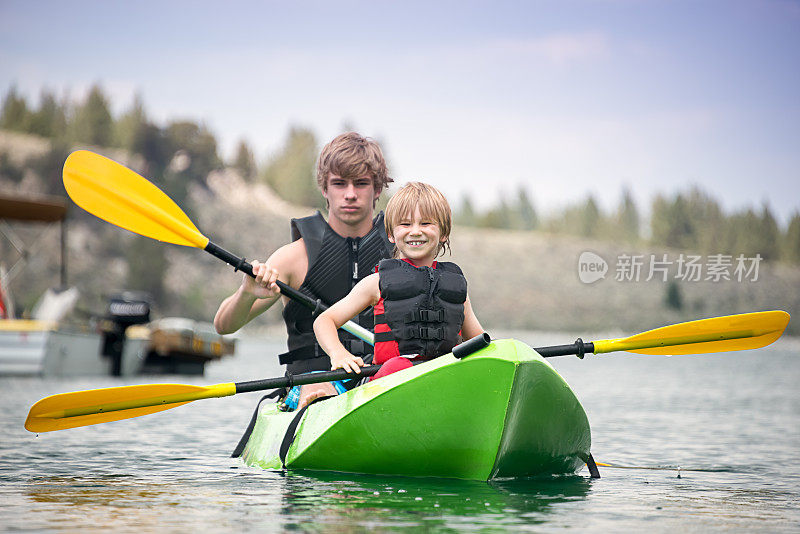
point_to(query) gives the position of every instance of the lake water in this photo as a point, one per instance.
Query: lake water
(710, 442)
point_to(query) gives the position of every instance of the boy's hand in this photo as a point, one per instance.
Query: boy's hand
(346, 361)
(263, 285)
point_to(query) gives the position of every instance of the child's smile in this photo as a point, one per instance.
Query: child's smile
(417, 238)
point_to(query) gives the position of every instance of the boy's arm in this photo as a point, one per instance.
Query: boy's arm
(363, 295)
(255, 295)
(471, 326)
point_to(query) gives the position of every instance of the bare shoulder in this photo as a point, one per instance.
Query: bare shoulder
(369, 287)
(291, 261)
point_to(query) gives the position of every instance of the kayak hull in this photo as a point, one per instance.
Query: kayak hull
(502, 412)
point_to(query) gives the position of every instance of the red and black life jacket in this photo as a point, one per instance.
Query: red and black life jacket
(421, 309)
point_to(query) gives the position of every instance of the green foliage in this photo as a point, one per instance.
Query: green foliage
(192, 153)
(129, 128)
(15, 115)
(291, 172)
(590, 218)
(694, 221)
(183, 153)
(791, 241)
(244, 162)
(671, 223)
(50, 120)
(624, 226)
(500, 216)
(524, 215)
(93, 123)
(465, 214)
(584, 220)
(749, 233)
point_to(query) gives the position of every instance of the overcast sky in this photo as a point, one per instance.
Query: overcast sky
(565, 98)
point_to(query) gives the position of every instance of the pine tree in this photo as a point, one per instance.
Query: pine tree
(769, 235)
(291, 172)
(500, 216)
(707, 222)
(15, 114)
(791, 240)
(627, 218)
(50, 120)
(245, 162)
(192, 156)
(526, 213)
(93, 123)
(465, 214)
(671, 224)
(130, 127)
(590, 218)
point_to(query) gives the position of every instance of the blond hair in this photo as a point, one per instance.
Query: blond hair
(351, 155)
(432, 205)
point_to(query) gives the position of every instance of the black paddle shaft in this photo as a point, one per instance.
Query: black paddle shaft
(579, 348)
(301, 379)
(240, 264)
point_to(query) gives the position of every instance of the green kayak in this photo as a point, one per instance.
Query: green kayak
(502, 412)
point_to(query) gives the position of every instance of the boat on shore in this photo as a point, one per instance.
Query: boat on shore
(183, 346)
(502, 412)
(123, 343)
(120, 342)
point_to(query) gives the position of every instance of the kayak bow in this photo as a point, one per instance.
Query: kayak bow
(502, 412)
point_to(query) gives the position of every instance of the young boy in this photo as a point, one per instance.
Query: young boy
(420, 305)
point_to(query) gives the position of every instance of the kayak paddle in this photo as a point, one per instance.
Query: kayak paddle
(717, 334)
(82, 408)
(118, 195)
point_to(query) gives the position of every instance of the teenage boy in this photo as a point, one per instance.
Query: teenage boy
(325, 259)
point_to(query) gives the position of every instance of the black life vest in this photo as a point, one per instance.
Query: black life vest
(335, 265)
(423, 309)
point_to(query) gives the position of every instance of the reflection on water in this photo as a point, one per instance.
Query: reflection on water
(335, 499)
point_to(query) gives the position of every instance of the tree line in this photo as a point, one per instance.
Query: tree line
(691, 220)
(175, 156)
(182, 153)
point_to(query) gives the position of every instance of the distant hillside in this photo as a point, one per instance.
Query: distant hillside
(517, 280)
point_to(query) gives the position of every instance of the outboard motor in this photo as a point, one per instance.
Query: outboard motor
(124, 310)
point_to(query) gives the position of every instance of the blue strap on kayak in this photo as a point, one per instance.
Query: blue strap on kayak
(293, 397)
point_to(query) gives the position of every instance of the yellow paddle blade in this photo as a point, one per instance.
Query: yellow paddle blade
(83, 408)
(719, 334)
(118, 195)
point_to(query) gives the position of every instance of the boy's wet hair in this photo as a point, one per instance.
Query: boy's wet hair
(432, 204)
(351, 155)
